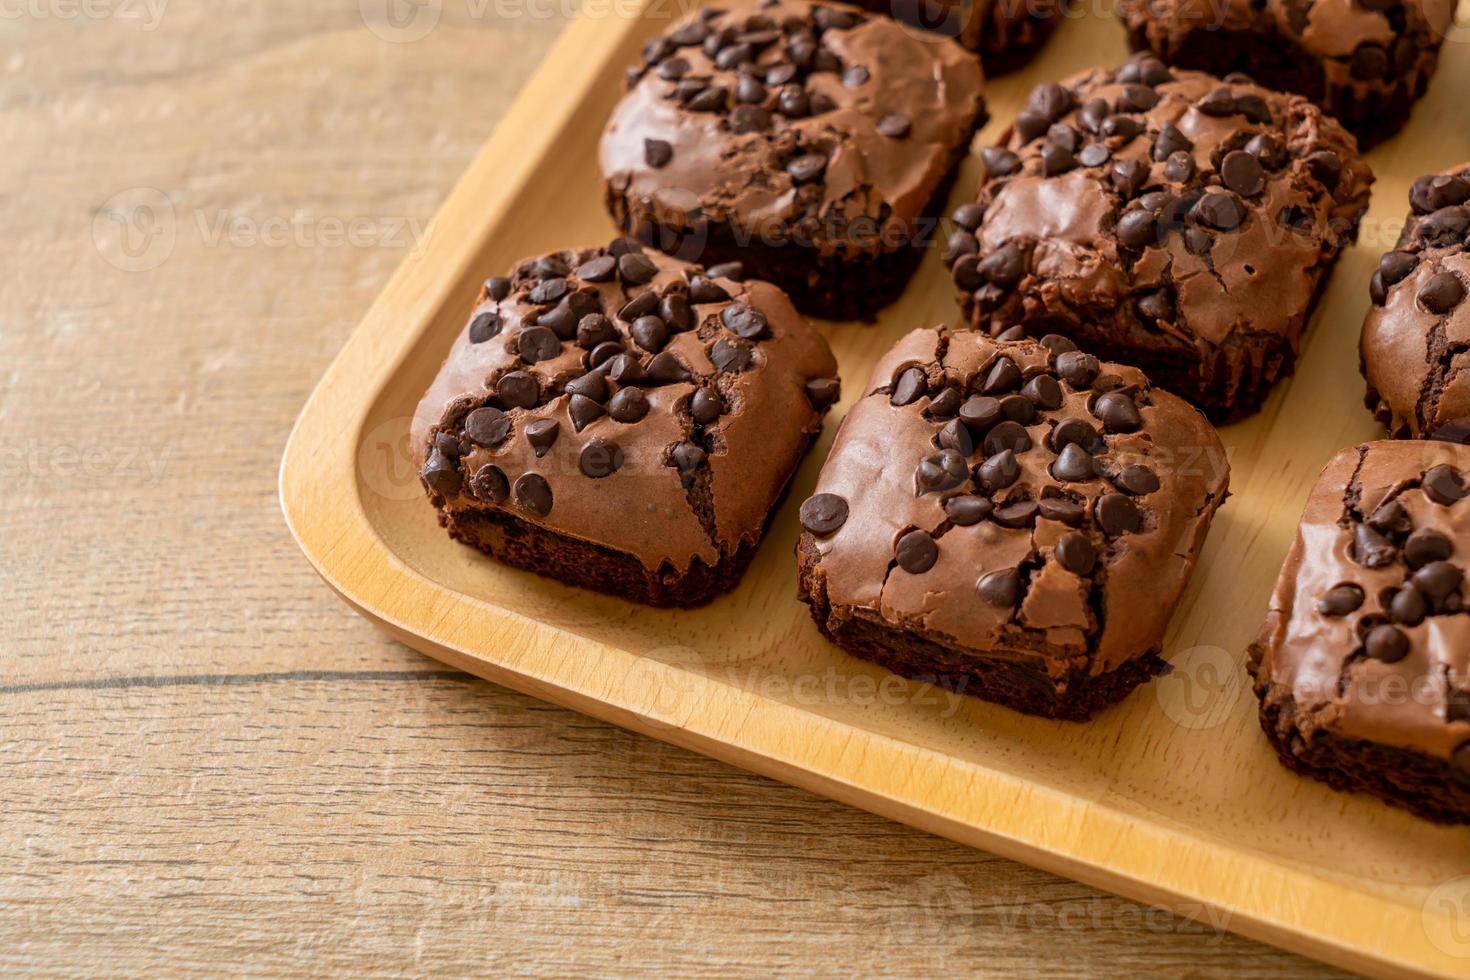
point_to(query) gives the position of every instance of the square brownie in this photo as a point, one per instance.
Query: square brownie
(814, 143)
(1363, 61)
(1005, 33)
(1363, 664)
(1011, 520)
(1166, 219)
(1416, 336)
(622, 421)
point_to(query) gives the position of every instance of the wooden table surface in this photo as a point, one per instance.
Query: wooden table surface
(208, 762)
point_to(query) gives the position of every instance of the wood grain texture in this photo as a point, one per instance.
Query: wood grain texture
(208, 762)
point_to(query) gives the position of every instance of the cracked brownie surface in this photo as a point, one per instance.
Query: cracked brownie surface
(1363, 61)
(1167, 219)
(1363, 664)
(622, 421)
(1005, 33)
(1015, 519)
(1416, 336)
(810, 141)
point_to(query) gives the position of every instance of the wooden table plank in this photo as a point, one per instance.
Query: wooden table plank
(208, 761)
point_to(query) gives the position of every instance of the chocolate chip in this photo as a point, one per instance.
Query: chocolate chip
(1076, 554)
(944, 405)
(1340, 600)
(1219, 102)
(532, 493)
(1219, 210)
(594, 329)
(628, 405)
(1020, 514)
(1076, 432)
(666, 369)
(1137, 480)
(497, 287)
(1268, 149)
(999, 162)
(1179, 167)
(1056, 160)
(807, 167)
(734, 271)
(749, 119)
(442, 474)
(855, 76)
(967, 509)
(747, 89)
(728, 356)
(583, 411)
(1117, 514)
(705, 406)
(1007, 435)
(1044, 392)
(916, 552)
(449, 444)
(1408, 606)
(1062, 510)
(1243, 173)
(517, 389)
(1437, 579)
(625, 369)
(704, 290)
(490, 484)
(792, 102)
(487, 426)
(895, 125)
(945, 470)
(1030, 125)
(600, 458)
(591, 385)
(979, 413)
(1138, 229)
(1442, 293)
(998, 472)
(1371, 549)
(674, 311)
(1253, 107)
(956, 435)
(1002, 588)
(1426, 545)
(1002, 376)
(636, 268)
(650, 333)
(687, 457)
(1391, 518)
(483, 327)
(1074, 465)
(1118, 412)
(548, 291)
(1003, 267)
(823, 513)
(1396, 266)
(744, 321)
(1078, 369)
(1387, 643)
(640, 305)
(1326, 166)
(1170, 140)
(656, 153)
(538, 344)
(909, 386)
(1050, 101)
(1122, 128)
(1443, 485)
(1369, 62)
(1094, 155)
(1093, 114)
(823, 392)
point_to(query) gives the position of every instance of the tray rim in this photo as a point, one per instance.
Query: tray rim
(1088, 841)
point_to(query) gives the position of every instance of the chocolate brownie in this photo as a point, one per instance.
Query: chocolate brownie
(1363, 664)
(622, 421)
(811, 142)
(1005, 33)
(1011, 520)
(1364, 61)
(1416, 336)
(1166, 219)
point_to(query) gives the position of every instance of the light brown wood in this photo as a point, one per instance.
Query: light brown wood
(208, 763)
(1173, 797)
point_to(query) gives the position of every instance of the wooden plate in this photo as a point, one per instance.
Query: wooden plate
(1173, 798)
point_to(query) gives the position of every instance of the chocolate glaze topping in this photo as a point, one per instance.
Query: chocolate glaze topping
(1018, 499)
(626, 399)
(1416, 336)
(1368, 634)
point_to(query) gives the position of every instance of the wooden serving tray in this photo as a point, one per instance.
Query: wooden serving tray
(1172, 798)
